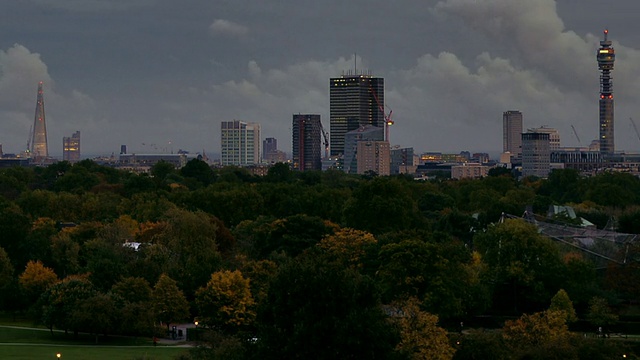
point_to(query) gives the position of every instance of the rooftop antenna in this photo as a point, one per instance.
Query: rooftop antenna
(355, 64)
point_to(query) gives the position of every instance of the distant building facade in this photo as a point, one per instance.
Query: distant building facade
(71, 147)
(306, 150)
(353, 102)
(240, 142)
(512, 126)
(374, 156)
(554, 136)
(352, 138)
(269, 147)
(402, 161)
(469, 171)
(536, 154)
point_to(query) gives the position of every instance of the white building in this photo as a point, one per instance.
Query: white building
(240, 143)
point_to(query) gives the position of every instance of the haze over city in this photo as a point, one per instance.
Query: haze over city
(167, 73)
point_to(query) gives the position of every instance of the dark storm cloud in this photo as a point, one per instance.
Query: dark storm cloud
(167, 72)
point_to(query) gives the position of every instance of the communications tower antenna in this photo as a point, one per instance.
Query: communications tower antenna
(606, 57)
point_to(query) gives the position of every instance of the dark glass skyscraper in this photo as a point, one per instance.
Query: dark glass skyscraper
(606, 56)
(306, 149)
(355, 100)
(39, 148)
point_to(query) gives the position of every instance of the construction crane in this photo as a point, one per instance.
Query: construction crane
(635, 127)
(387, 118)
(325, 136)
(576, 134)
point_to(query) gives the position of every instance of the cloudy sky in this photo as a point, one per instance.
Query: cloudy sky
(166, 72)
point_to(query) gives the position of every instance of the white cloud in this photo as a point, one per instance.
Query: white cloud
(228, 28)
(20, 72)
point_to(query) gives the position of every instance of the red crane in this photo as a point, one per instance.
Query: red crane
(387, 117)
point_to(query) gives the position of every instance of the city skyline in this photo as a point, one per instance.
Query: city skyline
(450, 69)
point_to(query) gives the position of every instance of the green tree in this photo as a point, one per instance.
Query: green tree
(133, 289)
(190, 241)
(98, 314)
(199, 171)
(600, 313)
(432, 272)
(561, 302)
(319, 310)
(525, 266)
(6, 269)
(168, 301)
(62, 299)
(226, 301)
(420, 335)
(136, 313)
(381, 205)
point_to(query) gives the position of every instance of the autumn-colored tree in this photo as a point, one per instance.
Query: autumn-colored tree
(226, 301)
(561, 302)
(536, 329)
(348, 246)
(420, 335)
(168, 301)
(36, 278)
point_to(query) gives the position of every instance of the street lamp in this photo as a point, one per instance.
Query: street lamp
(196, 322)
(58, 355)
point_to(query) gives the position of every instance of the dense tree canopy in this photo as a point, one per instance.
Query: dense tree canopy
(319, 256)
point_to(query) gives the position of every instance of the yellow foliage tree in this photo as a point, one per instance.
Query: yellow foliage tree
(536, 329)
(36, 278)
(226, 301)
(420, 335)
(348, 245)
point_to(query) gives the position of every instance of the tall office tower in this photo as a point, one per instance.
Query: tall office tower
(71, 147)
(606, 56)
(39, 148)
(374, 156)
(351, 140)
(269, 148)
(512, 133)
(536, 154)
(123, 149)
(240, 143)
(306, 149)
(355, 100)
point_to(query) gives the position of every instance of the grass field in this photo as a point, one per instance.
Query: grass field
(20, 340)
(87, 352)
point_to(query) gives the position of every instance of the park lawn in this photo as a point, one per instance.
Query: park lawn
(88, 352)
(44, 336)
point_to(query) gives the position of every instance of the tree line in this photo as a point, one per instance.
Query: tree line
(312, 264)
